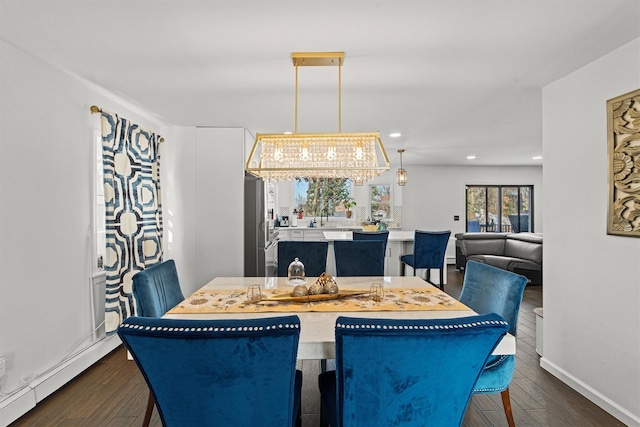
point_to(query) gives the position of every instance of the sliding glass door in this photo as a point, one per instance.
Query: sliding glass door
(498, 208)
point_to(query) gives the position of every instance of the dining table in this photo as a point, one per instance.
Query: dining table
(403, 297)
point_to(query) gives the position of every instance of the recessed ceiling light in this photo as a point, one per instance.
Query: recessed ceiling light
(471, 157)
(537, 157)
(288, 133)
(395, 135)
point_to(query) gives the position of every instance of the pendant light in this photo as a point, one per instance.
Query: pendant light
(287, 157)
(401, 175)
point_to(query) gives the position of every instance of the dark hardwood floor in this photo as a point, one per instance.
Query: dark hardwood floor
(112, 393)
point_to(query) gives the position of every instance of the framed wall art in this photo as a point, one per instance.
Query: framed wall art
(623, 140)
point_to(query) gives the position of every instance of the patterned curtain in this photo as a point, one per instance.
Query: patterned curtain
(131, 162)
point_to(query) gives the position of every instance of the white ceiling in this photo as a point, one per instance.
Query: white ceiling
(457, 77)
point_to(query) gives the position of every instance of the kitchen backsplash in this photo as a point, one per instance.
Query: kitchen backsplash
(360, 215)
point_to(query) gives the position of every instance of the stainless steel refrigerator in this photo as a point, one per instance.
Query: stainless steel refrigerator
(256, 228)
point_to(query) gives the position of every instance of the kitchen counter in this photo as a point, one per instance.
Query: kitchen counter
(394, 235)
(400, 243)
(330, 227)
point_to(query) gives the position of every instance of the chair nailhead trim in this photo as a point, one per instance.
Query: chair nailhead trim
(422, 327)
(497, 362)
(182, 330)
(490, 390)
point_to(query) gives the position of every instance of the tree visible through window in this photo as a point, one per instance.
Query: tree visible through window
(380, 201)
(318, 197)
(499, 208)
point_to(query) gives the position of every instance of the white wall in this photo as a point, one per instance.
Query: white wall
(178, 182)
(591, 279)
(45, 200)
(219, 208)
(434, 194)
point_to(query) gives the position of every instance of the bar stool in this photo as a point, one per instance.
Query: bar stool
(429, 248)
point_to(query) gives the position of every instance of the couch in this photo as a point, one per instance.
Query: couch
(517, 252)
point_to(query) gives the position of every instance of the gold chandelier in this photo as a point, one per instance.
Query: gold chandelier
(286, 157)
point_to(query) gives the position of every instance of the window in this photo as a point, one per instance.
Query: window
(98, 216)
(380, 201)
(499, 208)
(322, 197)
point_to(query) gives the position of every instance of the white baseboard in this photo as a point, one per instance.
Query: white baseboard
(16, 405)
(602, 401)
(21, 402)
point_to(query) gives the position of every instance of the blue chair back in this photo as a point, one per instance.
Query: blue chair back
(217, 372)
(488, 289)
(429, 248)
(157, 289)
(473, 226)
(372, 235)
(312, 254)
(380, 380)
(521, 225)
(359, 257)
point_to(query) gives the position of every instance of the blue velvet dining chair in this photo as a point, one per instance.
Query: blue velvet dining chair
(313, 255)
(239, 373)
(380, 381)
(156, 290)
(488, 289)
(359, 257)
(473, 226)
(519, 224)
(429, 249)
(372, 235)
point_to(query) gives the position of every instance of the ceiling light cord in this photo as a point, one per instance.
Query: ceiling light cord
(296, 120)
(340, 97)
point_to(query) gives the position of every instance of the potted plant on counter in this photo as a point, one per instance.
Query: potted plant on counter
(348, 204)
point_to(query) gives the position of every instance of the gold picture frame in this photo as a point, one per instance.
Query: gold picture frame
(623, 146)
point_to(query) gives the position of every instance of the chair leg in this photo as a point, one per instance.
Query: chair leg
(402, 268)
(323, 418)
(149, 411)
(442, 279)
(506, 402)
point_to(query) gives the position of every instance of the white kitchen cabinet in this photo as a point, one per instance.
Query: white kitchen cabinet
(314, 235)
(395, 249)
(284, 234)
(301, 234)
(297, 235)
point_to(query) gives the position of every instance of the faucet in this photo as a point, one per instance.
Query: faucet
(324, 211)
